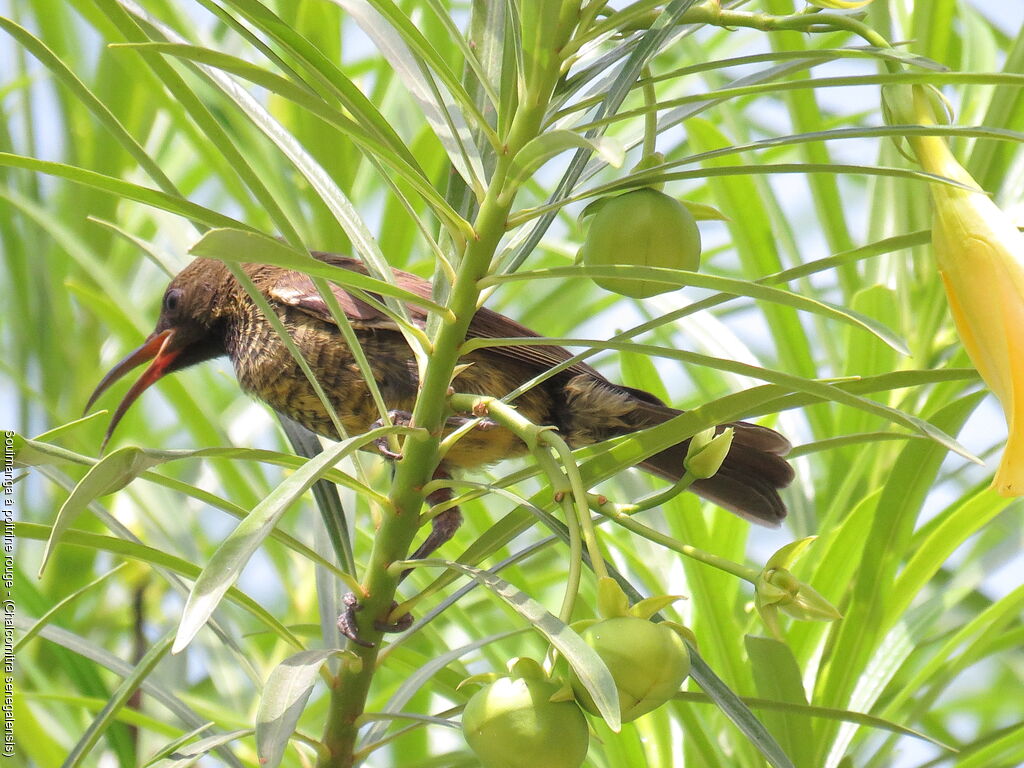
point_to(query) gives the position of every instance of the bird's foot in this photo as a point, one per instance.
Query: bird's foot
(349, 627)
(404, 419)
(442, 528)
(403, 623)
(397, 418)
(347, 624)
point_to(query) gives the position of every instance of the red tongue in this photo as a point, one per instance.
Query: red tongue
(155, 349)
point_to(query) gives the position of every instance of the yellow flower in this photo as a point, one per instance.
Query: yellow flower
(980, 255)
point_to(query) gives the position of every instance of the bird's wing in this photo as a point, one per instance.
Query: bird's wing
(297, 290)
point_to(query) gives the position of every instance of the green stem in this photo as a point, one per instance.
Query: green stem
(564, 477)
(401, 520)
(636, 16)
(560, 486)
(614, 513)
(579, 495)
(659, 498)
(712, 13)
(651, 116)
(589, 12)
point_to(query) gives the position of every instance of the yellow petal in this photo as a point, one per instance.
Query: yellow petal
(1009, 479)
(980, 256)
(982, 270)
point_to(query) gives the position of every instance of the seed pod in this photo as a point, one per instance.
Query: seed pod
(648, 662)
(642, 228)
(513, 723)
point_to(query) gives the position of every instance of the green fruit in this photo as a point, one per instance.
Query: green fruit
(642, 228)
(648, 663)
(512, 723)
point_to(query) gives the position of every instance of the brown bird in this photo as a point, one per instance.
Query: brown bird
(207, 314)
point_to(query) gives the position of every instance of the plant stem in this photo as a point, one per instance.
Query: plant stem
(651, 116)
(609, 510)
(580, 508)
(401, 520)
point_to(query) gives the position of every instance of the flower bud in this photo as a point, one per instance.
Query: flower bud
(642, 228)
(781, 589)
(707, 451)
(514, 723)
(647, 661)
(980, 257)
(776, 589)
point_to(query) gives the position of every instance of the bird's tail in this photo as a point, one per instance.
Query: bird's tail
(749, 479)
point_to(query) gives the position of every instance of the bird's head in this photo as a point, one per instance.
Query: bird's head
(190, 330)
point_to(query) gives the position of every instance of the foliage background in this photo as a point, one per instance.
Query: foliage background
(920, 557)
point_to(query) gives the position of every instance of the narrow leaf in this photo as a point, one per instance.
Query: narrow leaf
(231, 556)
(777, 677)
(682, 277)
(237, 245)
(110, 474)
(284, 697)
(542, 148)
(124, 691)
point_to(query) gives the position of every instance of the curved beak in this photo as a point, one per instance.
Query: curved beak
(155, 348)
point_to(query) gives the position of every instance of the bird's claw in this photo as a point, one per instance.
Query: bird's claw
(397, 418)
(348, 626)
(482, 424)
(384, 449)
(403, 623)
(404, 419)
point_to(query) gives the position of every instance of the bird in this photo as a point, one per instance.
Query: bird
(206, 314)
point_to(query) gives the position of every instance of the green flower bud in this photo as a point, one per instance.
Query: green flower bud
(648, 662)
(781, 589)
(776, 589)
(513, 723)
(707, 451)
(642, 228)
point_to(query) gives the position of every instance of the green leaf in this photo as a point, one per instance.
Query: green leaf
(826, 713)
(539, 150)
(777, 677)
(110, 474)
(738, 712)
(682, 277)
(190, 754)
(284, 698)
(237, 245)
(152, 197)
(158, 558)
(101, 111)
(227, 562)
(863, 627)
(124, 691)
(817, 389)
(407, 51)
(394, 154)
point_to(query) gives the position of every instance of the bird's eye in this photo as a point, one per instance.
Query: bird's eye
(171, 300)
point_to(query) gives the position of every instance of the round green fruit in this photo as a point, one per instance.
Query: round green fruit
(648, 663)
(642, 228)
(512, 723)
